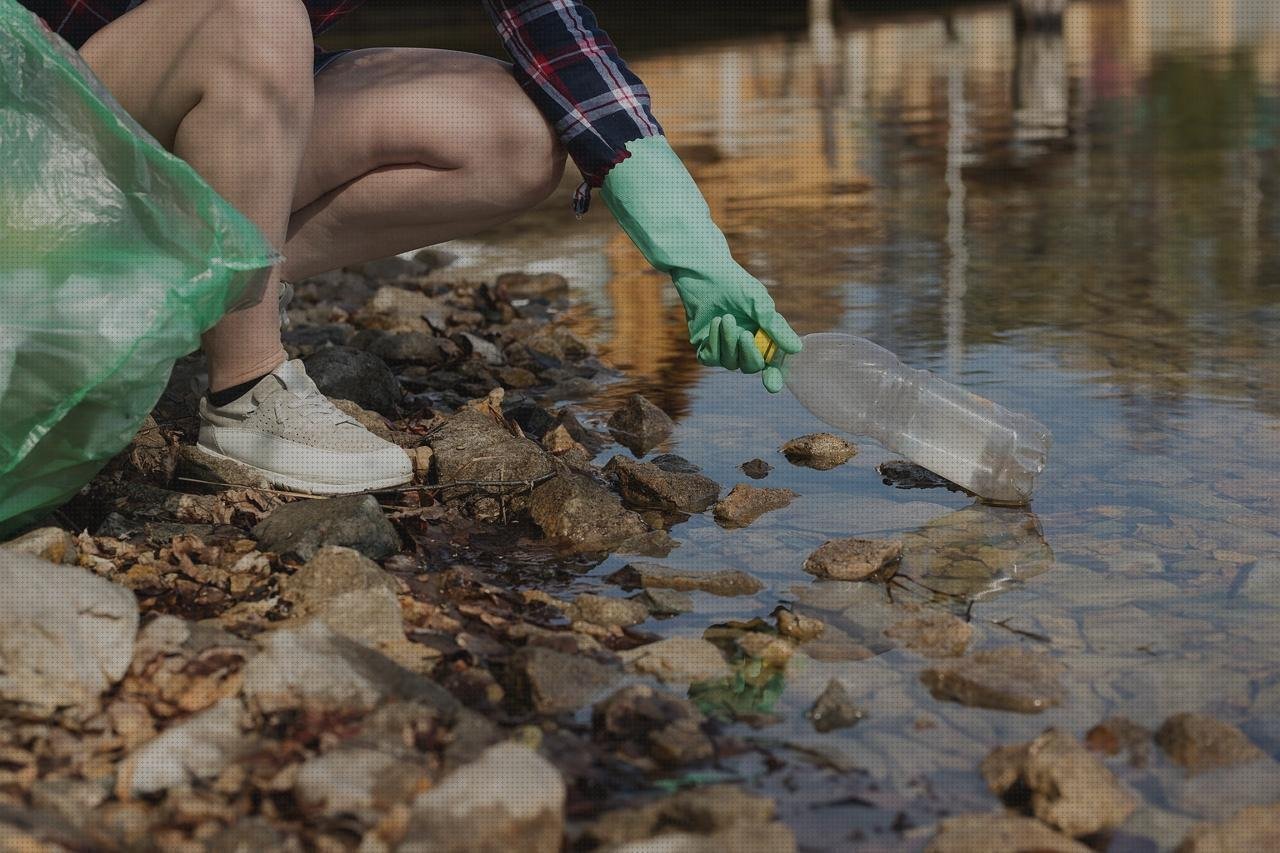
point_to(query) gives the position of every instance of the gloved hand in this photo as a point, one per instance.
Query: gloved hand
(656, 202)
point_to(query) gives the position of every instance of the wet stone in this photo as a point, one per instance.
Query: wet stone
(834, 709)
(1251, 828)
(798, 626)
(679, 660)
(1065, 785)
(1120, 734)
(407, 347)
(723, 582)
(606, 611)
(1009, 678)
(556, 682)
(852, 559)
(756, 469)
(582, 515)
(639, 425)
(519, 285)
(1200, 742)
(705, 818)
(902, 474)
(744, 504)
(652, 724)
(933, 633)
(346, 373)
(304, 527)
(665, 602)
(821, 451)
(1000, 832)
(652, 485)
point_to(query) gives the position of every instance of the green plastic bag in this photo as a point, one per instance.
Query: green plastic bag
(115, 256)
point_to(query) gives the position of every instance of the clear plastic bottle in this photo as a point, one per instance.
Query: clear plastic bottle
(865, 390)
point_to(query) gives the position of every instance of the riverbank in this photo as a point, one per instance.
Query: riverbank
(194, 666)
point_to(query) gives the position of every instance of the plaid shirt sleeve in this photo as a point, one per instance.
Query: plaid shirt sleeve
(572, 71)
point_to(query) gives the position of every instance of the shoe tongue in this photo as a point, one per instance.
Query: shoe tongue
(294, 376)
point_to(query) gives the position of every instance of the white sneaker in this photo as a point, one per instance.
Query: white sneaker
(290, 433)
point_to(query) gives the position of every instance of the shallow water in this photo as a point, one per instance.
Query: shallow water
(1079, 224)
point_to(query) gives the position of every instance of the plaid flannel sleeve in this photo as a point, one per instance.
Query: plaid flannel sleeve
(572, 71)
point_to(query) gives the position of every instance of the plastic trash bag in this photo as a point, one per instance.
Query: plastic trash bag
(115, 256)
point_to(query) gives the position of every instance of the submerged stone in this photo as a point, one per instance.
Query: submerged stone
(834, 709)
(723, 582)
(1000, 832)
(744, 504)
(1005, 679)
(756, 469)
(1200, 742)
(639, 425)
(852, 559)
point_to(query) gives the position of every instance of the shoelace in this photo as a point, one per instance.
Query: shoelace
(310, 403)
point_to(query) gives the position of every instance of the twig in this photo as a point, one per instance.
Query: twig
(245, 486)
(1031, 635)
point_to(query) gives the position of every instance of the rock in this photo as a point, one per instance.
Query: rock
(798, 626)
(394, 267)
(66, 634)
(773, 650)
(902, 474)
(605, 611)
(999, 832)
(649, 723)
(934, 633)
(249, 835)
(1200, 742)
(1251, 828)
(300, 341)
(645, 485)
(475, 446)
(519, 285)
(407, 347)
(71, 798)
(394, 309)
(534, 420)
(706, 812)
(1115, 734)
(744, 504)
(422, 457)
(313, 667)
(510, 799)
(304, 527)
(358, 781)
(822, 451)
(1070, 788)
(48, 543)
(195, 463)
(330, 573)
(723, 582)
(346, 373)
(581, 515)
(852, 559)
(665, 602)
(1006, 679)
(639, 425)
(756, 469)
(199, 747)
(834, 709)
(678, 660)
(557, 682)
(477, 347)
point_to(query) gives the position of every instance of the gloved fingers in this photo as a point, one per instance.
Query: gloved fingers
(749, 358)
(728, 342)
(712, 345)
(772, 379)
(776, 327)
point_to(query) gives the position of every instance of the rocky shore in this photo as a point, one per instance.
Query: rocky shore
(192, 661)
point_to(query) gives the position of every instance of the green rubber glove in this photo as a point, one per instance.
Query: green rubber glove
(656, 202)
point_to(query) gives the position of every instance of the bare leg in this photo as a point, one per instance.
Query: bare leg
(227, 85)
(410, 147)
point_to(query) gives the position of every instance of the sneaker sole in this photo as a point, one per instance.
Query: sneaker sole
(294, 484)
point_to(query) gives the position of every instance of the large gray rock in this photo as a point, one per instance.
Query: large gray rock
(1070, 788)
(50, 543)
(556, 682)
(639, 425)
(66, 635)
(407, 347)
(314, 667)
(475, 446)
(304, 527)
(510, 799)
(358, 781)
(200, 747)
(582, 515)
(346, 373)
(646, 485)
